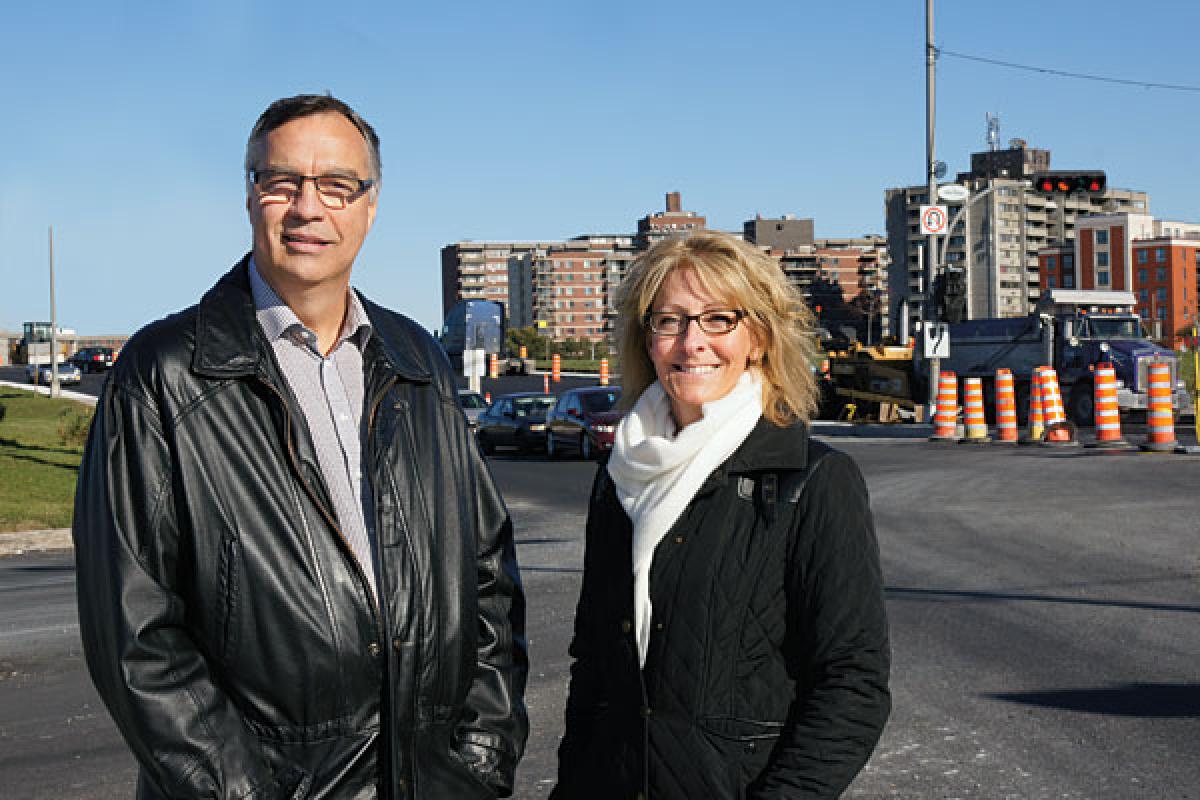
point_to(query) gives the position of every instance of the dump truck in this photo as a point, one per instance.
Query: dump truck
(1071, 330)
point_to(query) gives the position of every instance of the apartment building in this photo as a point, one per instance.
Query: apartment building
(1155, 259)
(483, 270)
(996, 241)
(674, 221)
(569, 292)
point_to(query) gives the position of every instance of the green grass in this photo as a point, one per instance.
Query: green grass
(38, 467)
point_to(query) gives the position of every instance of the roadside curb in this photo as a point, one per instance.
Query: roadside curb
(14, 544)
(66, 394)
(871, 430)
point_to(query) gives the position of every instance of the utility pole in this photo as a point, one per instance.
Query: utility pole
(931, 260)
(55, 388)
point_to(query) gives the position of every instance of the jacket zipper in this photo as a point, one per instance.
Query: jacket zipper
(329, 518)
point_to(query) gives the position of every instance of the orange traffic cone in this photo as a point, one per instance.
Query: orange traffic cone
(1059, 431)
(545, 383)
(1006, 408)
(1160, 420)
(556, 367)
(1037, 419)
(604, 372)
(1106, 410)
(487, 398)
(975, 421)
(493, 366)
(945, 428)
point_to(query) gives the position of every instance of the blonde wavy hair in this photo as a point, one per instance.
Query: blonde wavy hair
(747, 279)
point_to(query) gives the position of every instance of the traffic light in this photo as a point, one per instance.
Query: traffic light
(1062, 182)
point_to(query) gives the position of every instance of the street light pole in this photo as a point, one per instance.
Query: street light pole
(55, 388)
(931, 185)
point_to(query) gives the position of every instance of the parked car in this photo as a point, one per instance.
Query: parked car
(472, 405)
(40, 374)
(515, 420)
(583, 420)
(93, 359)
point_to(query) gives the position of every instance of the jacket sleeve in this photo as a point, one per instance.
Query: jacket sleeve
(586, 694)
(187, 735)
(837, 634)
(492, 740)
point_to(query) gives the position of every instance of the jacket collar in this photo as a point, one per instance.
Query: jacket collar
(230, 343)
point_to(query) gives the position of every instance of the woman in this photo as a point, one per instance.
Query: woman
(730, 639)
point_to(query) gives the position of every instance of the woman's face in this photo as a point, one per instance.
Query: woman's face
(695, 367)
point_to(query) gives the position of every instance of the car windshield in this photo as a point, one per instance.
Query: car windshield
(1113, 328)
(596, 402)
(471, 400)
(532, 406)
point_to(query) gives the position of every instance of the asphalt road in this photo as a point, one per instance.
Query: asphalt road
(1043, 608)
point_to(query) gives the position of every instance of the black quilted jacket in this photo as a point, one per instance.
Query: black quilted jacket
(767, 669)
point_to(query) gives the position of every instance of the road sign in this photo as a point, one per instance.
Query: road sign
(933, 220)
(952, 193)
(936, 340)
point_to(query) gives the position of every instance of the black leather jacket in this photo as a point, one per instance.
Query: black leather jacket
(226, 624)
(767, 667)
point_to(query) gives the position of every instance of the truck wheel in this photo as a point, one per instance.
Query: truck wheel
(1081, 408)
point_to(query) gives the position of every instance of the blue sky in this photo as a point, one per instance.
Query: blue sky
(125, 123)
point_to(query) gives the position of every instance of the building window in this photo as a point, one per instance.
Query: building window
(1068, 261)
(1068, 281)
(1102, 278)
(1160, 294)
(1050, 262)
(1143, 275)
(1144, 295)
(1162, 313)
(1142, 257)
(1101, 259)
(1050, 282)
(1160, 274)
(1101, 237)
(1160, 254)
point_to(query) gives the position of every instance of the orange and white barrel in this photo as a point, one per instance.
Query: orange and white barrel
(1006, 408)
(493, 366)
(523, 351)
(1160, 419)
(1037, 416)
(545, 383)
(604, 372)
(945, 418)
(556, 368)
(1107, 411)
(974, 420)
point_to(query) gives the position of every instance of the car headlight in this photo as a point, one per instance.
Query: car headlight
(537, 427)
(604, 428)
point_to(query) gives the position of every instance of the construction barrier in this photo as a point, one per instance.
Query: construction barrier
(1160, 420)
(1107, 411)
(1059, 431)
(945, 418)
(556, 367)
(1037, 418)
(975, 423)
(604, 372)
(1006, 408)
(493, 366)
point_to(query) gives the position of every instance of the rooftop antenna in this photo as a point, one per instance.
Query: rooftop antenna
(993, 132)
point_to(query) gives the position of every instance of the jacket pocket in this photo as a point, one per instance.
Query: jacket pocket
(442, 771)
(228, 597)
(743, 745)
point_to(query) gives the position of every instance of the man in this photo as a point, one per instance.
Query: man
(296, 577)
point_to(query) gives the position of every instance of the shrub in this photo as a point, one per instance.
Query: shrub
(73, 425)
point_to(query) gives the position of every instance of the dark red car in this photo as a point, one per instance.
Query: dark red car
(583, 421)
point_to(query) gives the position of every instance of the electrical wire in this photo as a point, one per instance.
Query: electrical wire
(1175, 87)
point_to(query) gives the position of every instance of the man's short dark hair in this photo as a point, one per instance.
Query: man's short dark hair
(287, 109)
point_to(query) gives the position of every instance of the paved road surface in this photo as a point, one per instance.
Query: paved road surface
(1044, 611)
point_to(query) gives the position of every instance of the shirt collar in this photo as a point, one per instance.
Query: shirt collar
(278, 320)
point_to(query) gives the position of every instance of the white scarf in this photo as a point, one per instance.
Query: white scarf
(657, 473)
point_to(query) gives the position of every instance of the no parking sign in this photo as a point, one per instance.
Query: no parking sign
(933, 220)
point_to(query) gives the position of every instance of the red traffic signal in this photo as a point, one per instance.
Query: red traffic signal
(1070, 182)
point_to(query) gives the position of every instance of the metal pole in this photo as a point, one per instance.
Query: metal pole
(55, 388)
(931, 261)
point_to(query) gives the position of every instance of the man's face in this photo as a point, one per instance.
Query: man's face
(302, 243)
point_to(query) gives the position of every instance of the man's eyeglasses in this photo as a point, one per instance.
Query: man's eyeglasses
(673, 323)
(335, 191)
